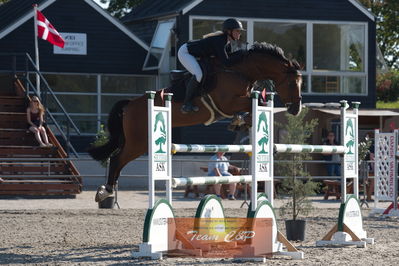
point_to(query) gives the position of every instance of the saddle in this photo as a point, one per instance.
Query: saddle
(180, 78)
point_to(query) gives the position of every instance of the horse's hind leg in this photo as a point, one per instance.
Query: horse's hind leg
(116, 164)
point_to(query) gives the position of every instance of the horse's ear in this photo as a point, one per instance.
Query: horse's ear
(296, 65)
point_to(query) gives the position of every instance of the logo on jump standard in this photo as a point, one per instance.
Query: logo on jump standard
(349, 136)
(263, 125)
(161, 140)
(160, 155)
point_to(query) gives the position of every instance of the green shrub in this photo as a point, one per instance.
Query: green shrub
(388, 86)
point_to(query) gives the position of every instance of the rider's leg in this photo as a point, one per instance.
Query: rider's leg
(191, 64)
(192, 86)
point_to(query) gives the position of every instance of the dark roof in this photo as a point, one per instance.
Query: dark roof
(13, 10)
(156, 8)
(144, 30)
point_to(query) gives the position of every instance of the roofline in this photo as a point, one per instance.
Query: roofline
(161, 16)
(105, 14)
(191, 6)
(169, 14)
(24, 19)
(362, 9)
(117, 24)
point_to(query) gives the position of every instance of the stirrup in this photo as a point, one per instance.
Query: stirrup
(187, 108)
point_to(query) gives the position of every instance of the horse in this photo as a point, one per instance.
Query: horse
(127, 122)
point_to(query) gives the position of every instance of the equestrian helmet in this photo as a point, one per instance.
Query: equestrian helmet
(232, 24)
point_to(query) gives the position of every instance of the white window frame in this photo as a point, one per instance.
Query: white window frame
(98, 93)
(165, 50)
(309, 72)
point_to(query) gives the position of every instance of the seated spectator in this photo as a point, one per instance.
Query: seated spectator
(34, 116)
(219, 166)
(332, 168)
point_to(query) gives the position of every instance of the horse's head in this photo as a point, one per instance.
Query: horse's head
(288, 86)
(267, 61)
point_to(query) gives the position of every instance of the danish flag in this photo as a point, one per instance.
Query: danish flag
(47, 32)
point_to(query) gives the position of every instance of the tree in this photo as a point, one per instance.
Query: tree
(387, 12)
(298, 131)
(119, 8)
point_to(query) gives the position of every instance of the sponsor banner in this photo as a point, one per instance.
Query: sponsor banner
(75, 44)
(221, 237)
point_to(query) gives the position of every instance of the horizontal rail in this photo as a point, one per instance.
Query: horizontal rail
(210, 180)
(199, 148)
(298, 148)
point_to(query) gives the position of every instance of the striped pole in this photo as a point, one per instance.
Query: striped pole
(298, 148)
(210, 180)
(198, 148)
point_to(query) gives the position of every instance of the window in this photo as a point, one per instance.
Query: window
(88, 98)
(126, 84)
(159, 44)
(332, 54)
(338, 59)
(338, 47)
(291, 37)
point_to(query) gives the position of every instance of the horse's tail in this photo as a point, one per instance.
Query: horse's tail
(116, 137)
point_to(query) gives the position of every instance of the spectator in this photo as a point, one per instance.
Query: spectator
(34, 116)
(332, 168)
(219, 166)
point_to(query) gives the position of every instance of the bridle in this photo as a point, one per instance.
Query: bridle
(291, 85)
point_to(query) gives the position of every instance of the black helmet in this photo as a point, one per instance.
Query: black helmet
(232, 24)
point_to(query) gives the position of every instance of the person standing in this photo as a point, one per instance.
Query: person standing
(219, 166)
(332, 168)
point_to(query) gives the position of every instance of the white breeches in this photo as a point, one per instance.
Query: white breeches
(189, 62)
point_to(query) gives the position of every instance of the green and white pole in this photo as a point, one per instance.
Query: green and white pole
(159, 146)
(262, 148)
(210, 180)
(349, 139)
(299, 148)
(210, 148)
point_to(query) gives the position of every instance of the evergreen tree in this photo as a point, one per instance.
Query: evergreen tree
(297, 131)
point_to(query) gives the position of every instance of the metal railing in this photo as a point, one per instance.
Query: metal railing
(45, 93)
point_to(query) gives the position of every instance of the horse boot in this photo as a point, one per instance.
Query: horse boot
(103, 192)
(187, 107)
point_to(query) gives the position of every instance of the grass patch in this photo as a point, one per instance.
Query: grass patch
(387, 105)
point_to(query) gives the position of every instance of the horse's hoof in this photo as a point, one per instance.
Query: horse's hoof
(102, 194)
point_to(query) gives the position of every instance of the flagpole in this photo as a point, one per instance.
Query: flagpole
(36, 49)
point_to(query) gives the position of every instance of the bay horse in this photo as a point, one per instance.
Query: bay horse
(127, 122)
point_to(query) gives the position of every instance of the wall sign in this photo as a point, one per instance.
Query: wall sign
(75, 43)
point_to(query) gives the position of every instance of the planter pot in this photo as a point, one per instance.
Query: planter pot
(108, 203)
(295, 229)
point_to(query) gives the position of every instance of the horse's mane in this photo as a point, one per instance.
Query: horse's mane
(268, 49)
(272, 50)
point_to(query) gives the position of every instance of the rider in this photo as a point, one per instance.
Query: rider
(217, 45)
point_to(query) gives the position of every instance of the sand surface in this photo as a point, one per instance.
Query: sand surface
(76, 232)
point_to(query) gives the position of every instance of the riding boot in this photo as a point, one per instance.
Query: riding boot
(187, 107)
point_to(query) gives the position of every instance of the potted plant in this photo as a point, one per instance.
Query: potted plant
(298, 185)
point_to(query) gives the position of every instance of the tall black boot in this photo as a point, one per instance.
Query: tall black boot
(187, 107)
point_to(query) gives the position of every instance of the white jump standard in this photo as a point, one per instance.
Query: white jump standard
(386, 172)
(349, 228)
(160, 150)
